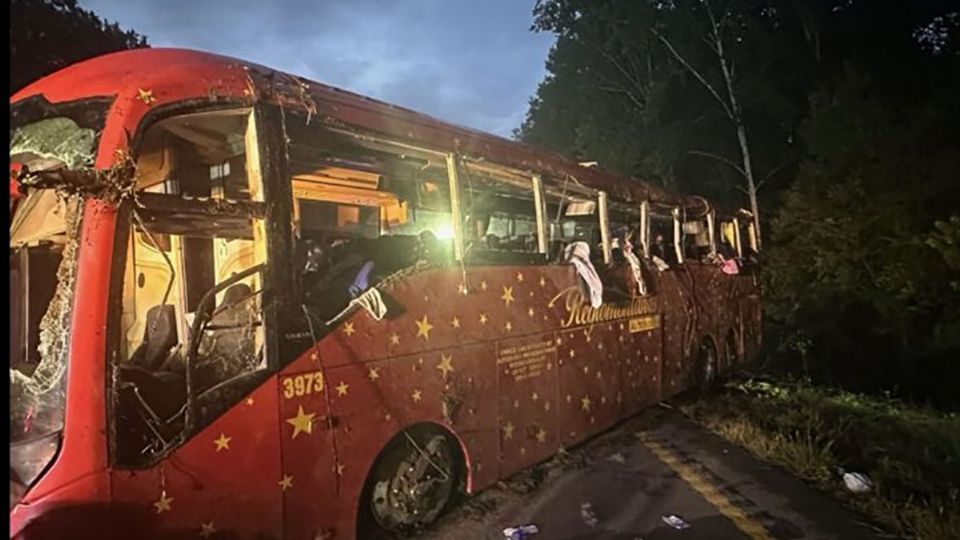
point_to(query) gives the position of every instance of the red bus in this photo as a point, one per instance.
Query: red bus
(248, 305)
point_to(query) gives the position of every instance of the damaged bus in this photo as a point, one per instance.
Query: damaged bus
(248, 305)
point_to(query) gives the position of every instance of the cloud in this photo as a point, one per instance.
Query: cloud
(471, 63)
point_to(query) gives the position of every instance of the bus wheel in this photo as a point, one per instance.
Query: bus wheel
(414, 479)
(706, 370)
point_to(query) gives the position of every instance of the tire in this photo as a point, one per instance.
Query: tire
(412, 482)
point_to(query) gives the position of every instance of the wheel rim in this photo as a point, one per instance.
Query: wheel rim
(413, 493)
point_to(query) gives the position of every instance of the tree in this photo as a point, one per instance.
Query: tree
(46, 35)
(629, 85)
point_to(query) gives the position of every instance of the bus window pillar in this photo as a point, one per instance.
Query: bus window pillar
(455, 214)
(540, 200)
(645, 228)
(677, 235)
(752, 232)
(605, 228)
(712, 231)
(736, 237)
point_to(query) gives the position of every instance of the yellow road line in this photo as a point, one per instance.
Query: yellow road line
(708, 490)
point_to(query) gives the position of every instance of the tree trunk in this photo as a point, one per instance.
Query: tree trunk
(748, 174)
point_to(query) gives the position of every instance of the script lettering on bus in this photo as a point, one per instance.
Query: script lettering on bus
(526, 361)
(302, 384)
(579, 312)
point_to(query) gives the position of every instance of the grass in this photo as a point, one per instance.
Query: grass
(911, 454)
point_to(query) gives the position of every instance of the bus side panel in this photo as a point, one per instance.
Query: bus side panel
(640, 368)
(676, 325)
(589, 381)
(527, 413)
(223, 479)
(307, 479)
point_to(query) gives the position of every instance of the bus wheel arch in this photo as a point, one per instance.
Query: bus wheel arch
(406, 488)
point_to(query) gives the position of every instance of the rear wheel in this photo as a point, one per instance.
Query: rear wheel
(412, 482)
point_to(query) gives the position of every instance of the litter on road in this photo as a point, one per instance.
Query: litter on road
(588, 515)
(521, 532)
(676, 522)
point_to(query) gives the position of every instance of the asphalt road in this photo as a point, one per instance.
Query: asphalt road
(620, 486)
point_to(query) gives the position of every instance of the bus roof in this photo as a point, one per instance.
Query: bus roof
(145, 78)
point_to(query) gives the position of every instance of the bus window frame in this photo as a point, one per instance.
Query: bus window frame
(267, 138)
(677, 235)
(645, 228)
(604, 217)
(736, 237)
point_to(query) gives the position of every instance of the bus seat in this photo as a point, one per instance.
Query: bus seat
(159, 337)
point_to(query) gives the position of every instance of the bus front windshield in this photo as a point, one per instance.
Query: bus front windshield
(44, 229)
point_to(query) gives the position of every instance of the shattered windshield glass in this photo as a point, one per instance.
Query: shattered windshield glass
(44, 229)
(43, 258)
(54, 139)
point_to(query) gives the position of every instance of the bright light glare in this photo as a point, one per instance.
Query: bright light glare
(445, 232)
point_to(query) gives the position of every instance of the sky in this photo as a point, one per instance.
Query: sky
(471, 62)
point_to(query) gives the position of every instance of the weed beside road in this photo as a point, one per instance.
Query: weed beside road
(911, 454)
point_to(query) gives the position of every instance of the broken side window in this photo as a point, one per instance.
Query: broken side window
(192, 339)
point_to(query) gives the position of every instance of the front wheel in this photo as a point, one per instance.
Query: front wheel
(414, 479)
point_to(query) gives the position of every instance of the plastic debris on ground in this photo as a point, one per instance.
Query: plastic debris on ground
(856, 482)
(676, 522)
(617, 458)
(588, 515)
(521, 532)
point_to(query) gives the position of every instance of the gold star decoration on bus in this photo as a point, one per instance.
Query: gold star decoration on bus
(207, 529)
(483, 285)
(339, 469)
(416, 396)
(507, 295)
(508, 326)
(302, 423)
(223, 442)
(163, 504)
(348, 329)
(534, 396)
(541, 435)
(373, 374)
(285, 483)
(530, 312)
(146, 96)
(249, 401)
(483, 318)
(423, 328)
(455, 322)
(543, 282)
(520, 276)
(445, 365)
(342, 388)
(394, 339)
(585, 403)
(508, 431)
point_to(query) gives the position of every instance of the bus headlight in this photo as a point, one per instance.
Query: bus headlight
(28, 460)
